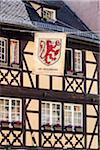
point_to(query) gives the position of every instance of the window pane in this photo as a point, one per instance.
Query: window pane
(45, 115)
(68, 60)
(48, 15)
(10, 110)
(51, 113)
(15, 109)
(73, 115)
(56, 114)
(78, 60)
(14, 51)
(77, 115)
(3, 50)
(67, 115)
(4, 109)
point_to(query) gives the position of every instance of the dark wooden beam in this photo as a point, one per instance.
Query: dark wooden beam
(81, 44)
(44, 94)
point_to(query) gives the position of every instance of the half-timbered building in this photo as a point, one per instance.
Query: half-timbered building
(47, 109)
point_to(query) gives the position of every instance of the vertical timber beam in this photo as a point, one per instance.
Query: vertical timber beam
(50, 83)
(84, 70)
(97, 57)
(62, 115)
(21, 64)
(37, 81)
(40, 123)
(24, 120)
(99, 98)
(8, 56)
(85, 125)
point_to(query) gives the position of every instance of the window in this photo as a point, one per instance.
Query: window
(78, 60)
(48, 14)
(3, 50)
(14, 51)
(73, 57)
(51, 113)
(69, 58)
(73, 115)
(10, 109)
(68, 115)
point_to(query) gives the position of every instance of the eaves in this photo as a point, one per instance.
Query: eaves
(87, 36)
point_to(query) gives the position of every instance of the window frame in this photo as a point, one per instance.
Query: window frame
(81, 69)
(72, 108)
(73, 70)
(7, 53)
(72, 67)
(5, 50)
(53, 19)
(10, 109)
(51, 104)
(12, 53)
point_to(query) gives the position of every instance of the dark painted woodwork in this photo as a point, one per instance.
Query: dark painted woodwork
(23, 45)
(73, 58)
(91, 62)
(45, 5)
(18, 35)
(84, 124)
(29, 53)
(51, 81)
(92, 79)
(62, 116)
(48, 95)
(14, 91)
(8, 53)
(24, 120)
(40, 123)
(37, 81)
(63, 84)
(81, 44)
(31, 111)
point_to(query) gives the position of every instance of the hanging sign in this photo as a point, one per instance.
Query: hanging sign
(49, 53)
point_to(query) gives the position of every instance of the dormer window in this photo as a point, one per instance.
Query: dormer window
(49, 14)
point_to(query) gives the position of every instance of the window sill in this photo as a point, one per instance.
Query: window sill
(16, 66)
(3, 64)
(80, 74)
(75, 74)
(11, 125)
(57, 128)
(10, 67)
(78, 129)
(46, 127)
(69, 129)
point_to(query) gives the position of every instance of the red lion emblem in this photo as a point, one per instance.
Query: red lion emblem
(49, 51)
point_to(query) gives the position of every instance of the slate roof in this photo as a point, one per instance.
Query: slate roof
(21, 13)
(14, 12)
